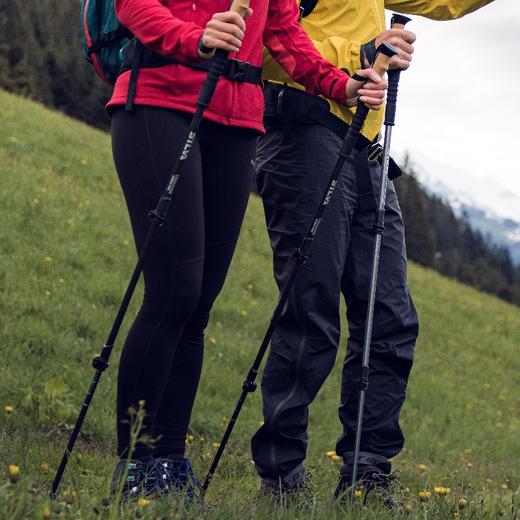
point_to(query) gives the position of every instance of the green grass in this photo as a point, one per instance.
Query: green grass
(65, 257)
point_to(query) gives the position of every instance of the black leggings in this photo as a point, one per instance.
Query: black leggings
(186, 265)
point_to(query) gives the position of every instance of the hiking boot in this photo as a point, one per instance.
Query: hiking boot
(140, 479)
(373, 475)
(177, 476)
(294, 488)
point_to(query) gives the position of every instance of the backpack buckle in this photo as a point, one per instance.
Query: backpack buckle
(237, 70)
(375, 153)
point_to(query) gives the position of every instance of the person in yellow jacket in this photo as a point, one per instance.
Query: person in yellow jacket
(294, 162)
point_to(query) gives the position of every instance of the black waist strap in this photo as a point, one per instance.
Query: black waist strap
(285, 102)
(137, 56)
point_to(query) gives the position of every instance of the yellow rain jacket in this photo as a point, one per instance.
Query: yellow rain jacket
(339, 28)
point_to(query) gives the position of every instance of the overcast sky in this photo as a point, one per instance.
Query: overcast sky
(460, 101)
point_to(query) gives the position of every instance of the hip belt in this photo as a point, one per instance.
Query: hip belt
(137, 56)
(283, 103)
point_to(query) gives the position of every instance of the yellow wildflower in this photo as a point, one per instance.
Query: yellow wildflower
(441, 490)
(45, 467)
(422, 467)
(424, 496)
(61, 280)
(504, 486)
(46, 513)
(249, 286)
(407, 507)
(83, 162)
(143, 502)
(189, 439)
(48, 259)
(469, 465)
(243, 313)
(216, 445)
(330, 453)
(336, 458)
(8, 409)
(213, 340)
(14, 472)
(35, 201)
(463, 502)
(358, 493)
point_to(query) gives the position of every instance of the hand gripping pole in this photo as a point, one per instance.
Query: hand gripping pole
(157, 218)
(398, 22)
(299, 257)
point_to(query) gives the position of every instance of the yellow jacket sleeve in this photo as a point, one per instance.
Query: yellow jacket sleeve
(345, 54)
(436, 9)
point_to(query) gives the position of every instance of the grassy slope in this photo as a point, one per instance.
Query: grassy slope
(65, 256)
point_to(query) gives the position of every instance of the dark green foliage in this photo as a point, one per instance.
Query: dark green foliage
(41, 57)
(438, 238)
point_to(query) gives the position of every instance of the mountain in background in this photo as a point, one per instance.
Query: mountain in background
(488, 206)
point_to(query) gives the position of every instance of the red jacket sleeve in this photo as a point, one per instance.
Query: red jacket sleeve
(155, 26)
(294, 51)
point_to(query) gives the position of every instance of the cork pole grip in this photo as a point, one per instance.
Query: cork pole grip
(382, 61)
(240, 6)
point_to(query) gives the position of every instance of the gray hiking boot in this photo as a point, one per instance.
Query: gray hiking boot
(373, 476)
(294, 488)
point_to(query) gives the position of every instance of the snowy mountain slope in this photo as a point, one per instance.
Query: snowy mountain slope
(489, 206)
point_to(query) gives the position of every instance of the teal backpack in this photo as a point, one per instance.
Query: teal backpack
(103, 37)
(112, 49)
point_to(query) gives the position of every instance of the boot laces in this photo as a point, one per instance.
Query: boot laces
(177, 475)
(386, 484)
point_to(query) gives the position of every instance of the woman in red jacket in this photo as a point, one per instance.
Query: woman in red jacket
(187, 263)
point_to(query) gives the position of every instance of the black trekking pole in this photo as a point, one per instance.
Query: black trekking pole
(300, 256)
(398, 22)
(157, 218)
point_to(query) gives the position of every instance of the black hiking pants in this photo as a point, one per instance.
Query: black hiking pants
(294, 162)
(186, 265)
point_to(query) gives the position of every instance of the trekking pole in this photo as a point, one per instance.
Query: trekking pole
(398, 22)
(300, 256)
(157, 218)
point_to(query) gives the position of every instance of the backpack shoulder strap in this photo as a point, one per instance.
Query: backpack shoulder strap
(307, 6)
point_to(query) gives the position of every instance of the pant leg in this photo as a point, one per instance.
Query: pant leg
(227, 153)
(395, 329)
(293, 169)
(145, 144)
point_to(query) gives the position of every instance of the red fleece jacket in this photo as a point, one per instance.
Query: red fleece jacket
(173, 27)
